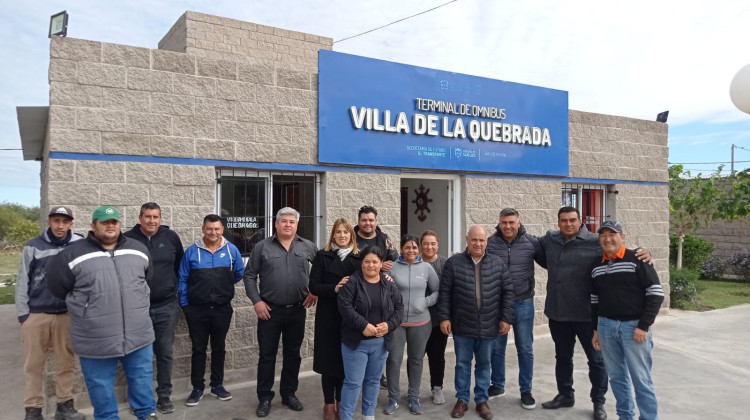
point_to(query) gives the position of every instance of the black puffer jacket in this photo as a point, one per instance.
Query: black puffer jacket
(476, 310)
(519, 254)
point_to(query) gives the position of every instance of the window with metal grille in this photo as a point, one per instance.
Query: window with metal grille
(590, 201)
(249, 201)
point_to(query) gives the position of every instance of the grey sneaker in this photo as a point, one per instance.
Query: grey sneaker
(414, 406)
(391, 407)
(527, 401)
(151, 416)
(368, 417)
(437, 395)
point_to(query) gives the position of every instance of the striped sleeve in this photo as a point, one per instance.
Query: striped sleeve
(654, 294)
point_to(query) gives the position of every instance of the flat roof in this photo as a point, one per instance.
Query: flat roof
(32, 125)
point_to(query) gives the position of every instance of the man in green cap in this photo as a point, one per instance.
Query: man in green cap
(103, 280)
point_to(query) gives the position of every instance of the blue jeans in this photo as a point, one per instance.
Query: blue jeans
(627, 360)
(99, 375)
(362, 368)
(466, 348)
(523, 333)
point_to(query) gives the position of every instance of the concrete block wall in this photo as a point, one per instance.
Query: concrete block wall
(229, 39)
(726, 237)
(612, 147)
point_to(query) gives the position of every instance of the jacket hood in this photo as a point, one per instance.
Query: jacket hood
(199, 243)
(403, 261)
(136, 230)
(499, 232)
(120, 240)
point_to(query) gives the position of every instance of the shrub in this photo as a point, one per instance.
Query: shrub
(739, 264)
(682, 290)
(695, 251)
(714, 268)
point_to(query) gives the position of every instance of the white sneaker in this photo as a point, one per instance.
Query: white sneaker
(368, 417)
(437, 395)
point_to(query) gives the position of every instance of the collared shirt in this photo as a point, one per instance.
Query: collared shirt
(278, 276)
(618, 255)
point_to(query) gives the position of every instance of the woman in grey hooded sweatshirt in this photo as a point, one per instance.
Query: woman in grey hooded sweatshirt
(418, 284)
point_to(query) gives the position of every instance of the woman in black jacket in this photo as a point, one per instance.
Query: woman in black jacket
(371, 308)
(330, 270)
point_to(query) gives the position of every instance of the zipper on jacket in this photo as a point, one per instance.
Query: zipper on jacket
(122, 302)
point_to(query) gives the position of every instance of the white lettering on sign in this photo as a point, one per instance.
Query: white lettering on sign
(373, 119)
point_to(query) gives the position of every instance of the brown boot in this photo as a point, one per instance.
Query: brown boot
(484, 410)
(459, 409)
(338, 410)
(329, 412)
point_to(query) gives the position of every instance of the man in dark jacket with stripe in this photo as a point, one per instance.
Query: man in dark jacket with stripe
(475, 303)
(44, 318)
(166, 252)
(208, 272)
(104, 280)
(519, 250)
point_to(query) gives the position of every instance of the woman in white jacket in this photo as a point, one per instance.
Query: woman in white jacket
(418, 284)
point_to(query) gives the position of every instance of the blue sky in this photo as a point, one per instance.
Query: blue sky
(634, 58)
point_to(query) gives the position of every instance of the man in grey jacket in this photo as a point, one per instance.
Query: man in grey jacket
(570, 254)
(103, 280)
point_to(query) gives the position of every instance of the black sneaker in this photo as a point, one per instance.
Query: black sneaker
(496, 391)
(527, 401)
(194, 397)
(33, 413)
(219, 392)
(164, 405)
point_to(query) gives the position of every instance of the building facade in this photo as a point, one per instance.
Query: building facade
(223, 118)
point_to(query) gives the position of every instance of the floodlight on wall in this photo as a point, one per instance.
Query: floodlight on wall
(662, 117)
(58, 24)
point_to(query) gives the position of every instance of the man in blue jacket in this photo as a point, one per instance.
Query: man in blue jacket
(166, 253)
(104, 281)
(208, 272)
(44, 318)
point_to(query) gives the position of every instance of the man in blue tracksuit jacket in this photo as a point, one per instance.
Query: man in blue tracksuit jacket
(208, 272)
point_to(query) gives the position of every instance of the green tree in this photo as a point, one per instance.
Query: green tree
(18, 219)
(22, 231)
(693, 201)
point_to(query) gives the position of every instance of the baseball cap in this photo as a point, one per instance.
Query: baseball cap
(613, 225)
(105, 213)
(61, 211)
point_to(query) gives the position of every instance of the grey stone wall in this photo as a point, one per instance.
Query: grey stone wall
(726, 237)
(229, 39)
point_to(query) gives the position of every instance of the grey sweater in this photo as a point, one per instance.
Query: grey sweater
(418, 284)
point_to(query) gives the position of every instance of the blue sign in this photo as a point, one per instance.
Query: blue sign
(380, 113)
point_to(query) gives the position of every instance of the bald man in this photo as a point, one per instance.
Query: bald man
(475, 303)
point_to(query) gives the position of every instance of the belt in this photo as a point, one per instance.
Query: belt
(278, 306)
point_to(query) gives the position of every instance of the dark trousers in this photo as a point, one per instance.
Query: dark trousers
(164, 318)
(206, 323)
(331, 388)
(436, 356)
(289, 322)
(564, 335)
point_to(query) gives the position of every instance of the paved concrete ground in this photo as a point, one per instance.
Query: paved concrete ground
(701, 371)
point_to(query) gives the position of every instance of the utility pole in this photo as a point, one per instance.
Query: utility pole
(732, 172)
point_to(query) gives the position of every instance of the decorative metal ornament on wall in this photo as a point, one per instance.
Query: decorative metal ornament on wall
(422, 201)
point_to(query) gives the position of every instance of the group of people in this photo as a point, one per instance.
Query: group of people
(112, 298)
